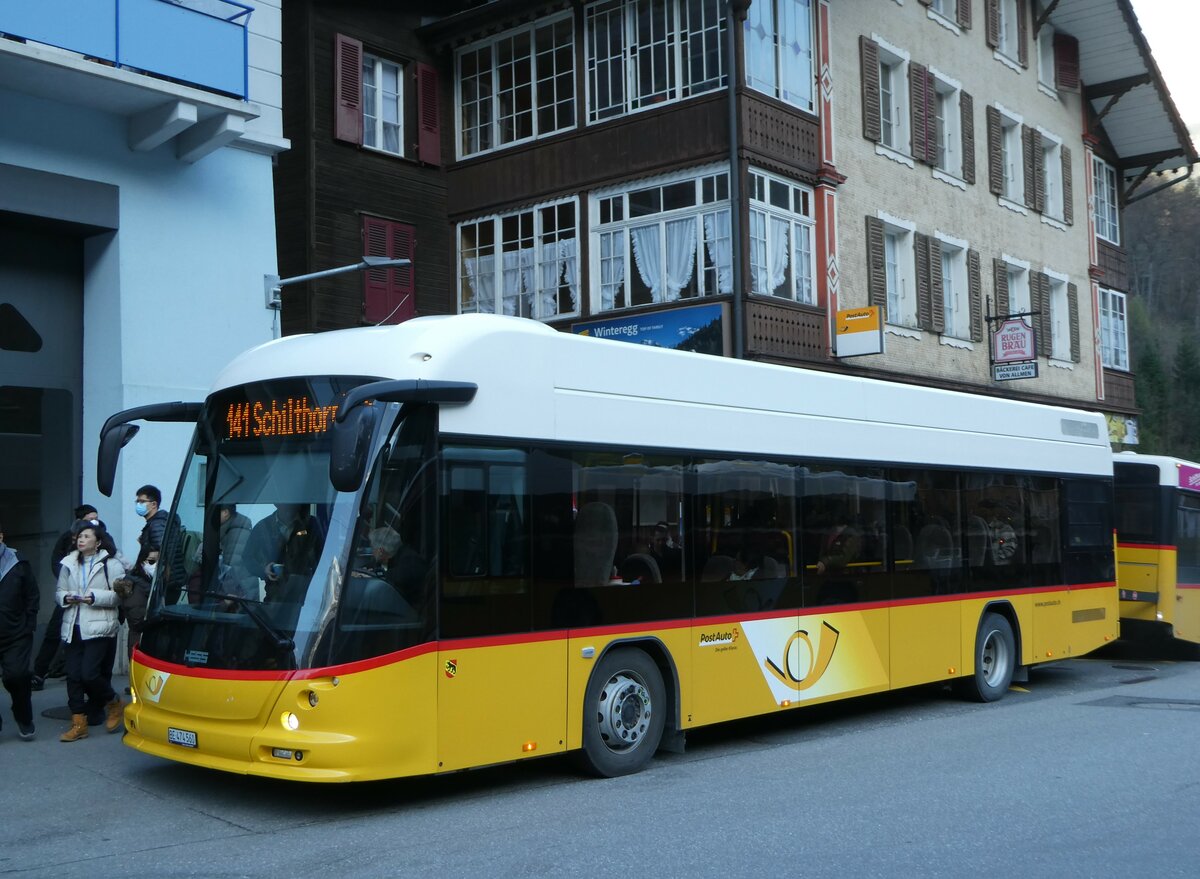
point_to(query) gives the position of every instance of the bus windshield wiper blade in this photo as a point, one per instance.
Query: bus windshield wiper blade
(282, 641)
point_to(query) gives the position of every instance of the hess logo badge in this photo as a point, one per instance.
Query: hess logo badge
(451, 667)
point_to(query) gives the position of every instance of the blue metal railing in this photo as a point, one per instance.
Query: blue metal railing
(197, 42)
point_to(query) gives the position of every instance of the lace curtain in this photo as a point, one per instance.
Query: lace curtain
(717, 241)
(529, 277)
(680, 260)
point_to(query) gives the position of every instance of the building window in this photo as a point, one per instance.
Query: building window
(1060, 319)
(947, 122)
(1010, 24)
(517, 86)
(389, 294)
(1114, 339)
(1104, 201)
(1045, 50)
(523, 263)
(663, 242)
(781, 238)
(779, 50)
(1011, 159)
(898, 260)
(383, 96)
(1052, 176)
(893, 101)
(955, 292)
(641, 53)
(1018, 289)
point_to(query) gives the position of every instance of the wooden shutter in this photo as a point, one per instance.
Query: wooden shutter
(1068, 190)
(991, 30)
(1023, 32)
(876, 267)
(966, 112)
(962, 13)
(389, 294)
(429, 132)
(918, 92)
(975, 295)
(1066, 62)
(1000, 279)
(1039, 299)
(347, 89)
(924, 281)
(1073, 319)
(995, 152)
(868, 51)
(1031, 142)
(937, 293)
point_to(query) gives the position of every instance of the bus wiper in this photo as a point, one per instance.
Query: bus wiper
(282, 641)
(153, 622)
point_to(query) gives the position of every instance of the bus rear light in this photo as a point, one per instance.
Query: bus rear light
(784, 703)
(289, 721)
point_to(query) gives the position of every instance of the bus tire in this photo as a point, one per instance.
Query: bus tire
(995, 660)
(624, 710)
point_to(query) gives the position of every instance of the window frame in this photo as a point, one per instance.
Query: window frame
(802, 220)
(1059, 319)
(1105, 197)
(533, 57)
(631, 57)
(537, 233)
(777, 87)
(1114, 329)
(375, 126)
(894, 68)
(956, 288)
(1053, 203)
(711, 198)
(1012, 158)
(947, 119)
(900, 273)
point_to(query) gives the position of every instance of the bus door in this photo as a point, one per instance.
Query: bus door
(1187, 578)
(1145, 564)
(501, 688)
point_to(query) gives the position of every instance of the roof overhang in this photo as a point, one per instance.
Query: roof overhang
(1124, 87)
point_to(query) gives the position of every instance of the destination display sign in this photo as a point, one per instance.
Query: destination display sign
(1189, 477)
(272, 418)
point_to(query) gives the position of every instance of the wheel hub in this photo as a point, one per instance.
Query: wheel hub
(625, 712)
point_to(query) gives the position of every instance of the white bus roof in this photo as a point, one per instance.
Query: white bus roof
(538, 383)
(1173, 472)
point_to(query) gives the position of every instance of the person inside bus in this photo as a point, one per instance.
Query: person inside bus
(397, 562)
(840, 547)
(666, 553)
(283, 546)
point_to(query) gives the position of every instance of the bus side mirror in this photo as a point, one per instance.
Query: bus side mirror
(111, 443)
(350, 443)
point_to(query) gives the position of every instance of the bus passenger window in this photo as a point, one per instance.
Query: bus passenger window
(845, 535)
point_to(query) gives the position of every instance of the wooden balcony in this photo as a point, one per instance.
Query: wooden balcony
(1119, 391)
(795, 333)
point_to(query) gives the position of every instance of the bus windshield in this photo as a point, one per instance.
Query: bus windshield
(251, 563)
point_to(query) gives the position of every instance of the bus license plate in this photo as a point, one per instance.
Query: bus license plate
(184, 737)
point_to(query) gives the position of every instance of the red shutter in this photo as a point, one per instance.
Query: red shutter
(429, 132)
(347, 89)
(1066, 62)
(388, 294)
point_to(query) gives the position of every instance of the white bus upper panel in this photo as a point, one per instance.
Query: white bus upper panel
(535, 382)
(1168, 469)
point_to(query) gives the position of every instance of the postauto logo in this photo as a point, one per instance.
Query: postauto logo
(719, 637)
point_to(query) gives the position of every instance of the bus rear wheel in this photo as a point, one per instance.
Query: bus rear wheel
(623, 713)
(995, 660)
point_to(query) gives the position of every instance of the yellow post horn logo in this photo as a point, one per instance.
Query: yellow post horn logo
(818, 660)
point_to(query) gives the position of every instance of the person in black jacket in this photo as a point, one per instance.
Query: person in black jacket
(18, 617)
(52, 639)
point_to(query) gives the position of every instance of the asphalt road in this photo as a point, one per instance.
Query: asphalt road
(1091, 769)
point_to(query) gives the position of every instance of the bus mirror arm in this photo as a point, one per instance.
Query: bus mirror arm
(406, 391)
(117, 432)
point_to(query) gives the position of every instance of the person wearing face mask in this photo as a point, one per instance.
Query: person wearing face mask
(148, 505)
(48, 663)
(134, 592)
(89, 629)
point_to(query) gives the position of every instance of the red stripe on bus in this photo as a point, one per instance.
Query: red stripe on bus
(1156, 546)
(597, 631)
(1187, 585)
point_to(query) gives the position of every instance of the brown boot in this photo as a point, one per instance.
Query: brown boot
(114, 715)
(78, 729)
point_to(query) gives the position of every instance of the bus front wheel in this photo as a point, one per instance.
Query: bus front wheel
(623, 713)
(995, 660)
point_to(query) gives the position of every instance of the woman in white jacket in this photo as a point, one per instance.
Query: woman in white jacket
(89, 628)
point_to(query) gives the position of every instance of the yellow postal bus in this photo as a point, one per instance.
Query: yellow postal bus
(468, 540)
(1158, 552)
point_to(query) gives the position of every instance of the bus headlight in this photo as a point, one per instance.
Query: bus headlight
(290, 721)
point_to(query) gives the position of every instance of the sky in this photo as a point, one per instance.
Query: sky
(1170, 27)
